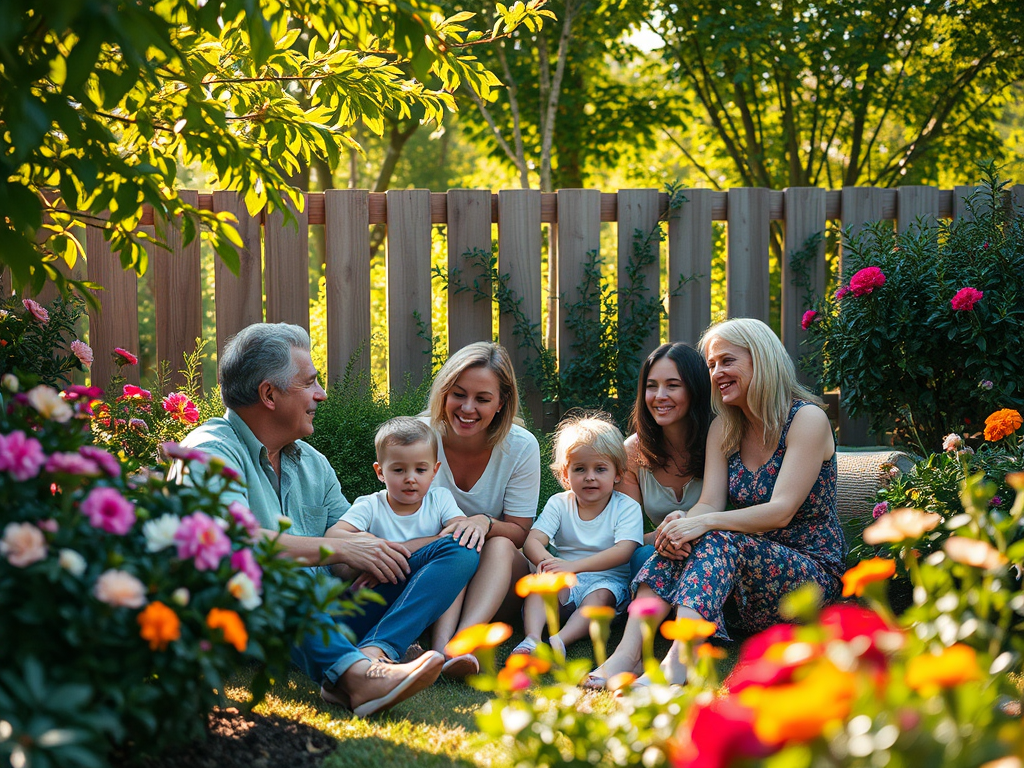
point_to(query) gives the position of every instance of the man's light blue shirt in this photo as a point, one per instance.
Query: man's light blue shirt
(308, 492)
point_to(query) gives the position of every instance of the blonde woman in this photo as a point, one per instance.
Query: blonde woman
(766, 520)
(491, 464)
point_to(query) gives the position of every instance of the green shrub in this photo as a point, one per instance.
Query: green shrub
(914, 353)
(31, 334)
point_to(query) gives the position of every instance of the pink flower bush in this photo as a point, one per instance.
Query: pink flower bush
(966, 298)
(175, 451)
(881, 508)
(22, 456)
(36, 310)
(200, 537)
(109, 510)
(82, 351)
(808, 318)
(72, 464)
(23, 544)
(244, 561)
(104, 459)
(120, 589)
(124, 357)
(244, 517)
(866, 280)
(181, 408)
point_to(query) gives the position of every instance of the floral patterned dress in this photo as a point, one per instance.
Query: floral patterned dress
(756, 571)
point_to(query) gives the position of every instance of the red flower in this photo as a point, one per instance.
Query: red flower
(841, 292)
(848, 622)
(124, 357)
(715, 735)
(808, 318)
(966, 298)
(866, 280)
(131, 392)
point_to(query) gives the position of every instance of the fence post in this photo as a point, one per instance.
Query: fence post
(469, 229)
(286, 249)
(519, 248)
(410, 334)
(239, 298)
(347, 275)
(579, 234)
(117, 322)
(804, 217)
(747, 289)
(690, 248)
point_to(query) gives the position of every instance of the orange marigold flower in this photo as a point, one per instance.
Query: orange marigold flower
(545, 583)
(598, 612)
(231, 624)
(899, 525)
(620, 681)
(709, 651)
(478, 636)
(524, 662)
(865, 572)
(955, 665)
(159, 625)
(800, 711)
(685, 629)
(1015, 480)
(973, 552)
(514, 679)
(1002, 424)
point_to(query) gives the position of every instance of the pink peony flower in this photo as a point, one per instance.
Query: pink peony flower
(23, 544)
(646, 607)
(244, 517)
(175, 451)
(880, 509)
(841, 292)
(48, 524)
(229, 474)
(131, 392)
(104, 459)
(952, 442)
(201, 538)
(124, 357)
(245, 562)
(965, 299)
(22, 456)
(866, 280)
(82, 351)
(120, 589)
(36, 310)
(72, 464)
(181, 408)
(109, 510)
(808, 318)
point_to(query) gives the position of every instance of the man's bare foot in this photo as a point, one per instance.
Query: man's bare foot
(369, 687)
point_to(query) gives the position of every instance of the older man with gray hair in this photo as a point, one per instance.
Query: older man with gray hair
(271, 390)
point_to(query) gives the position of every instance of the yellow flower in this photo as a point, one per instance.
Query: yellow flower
(1002, 424)
(979, 554)
(598, 612)
(524, 662)
(231, 624)
(159, 626)
(955, 665)
(685, 629)
(545, 583)
(900, 524)
(478, 636)
(800, 711)
(865, 572)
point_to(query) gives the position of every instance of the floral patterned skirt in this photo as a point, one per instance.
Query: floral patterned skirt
(753, 571)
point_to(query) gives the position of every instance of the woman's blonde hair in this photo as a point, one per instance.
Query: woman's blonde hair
(594, 430)
(773, 384)
(480, 354)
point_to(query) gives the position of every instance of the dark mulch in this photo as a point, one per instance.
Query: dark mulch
(249, 740)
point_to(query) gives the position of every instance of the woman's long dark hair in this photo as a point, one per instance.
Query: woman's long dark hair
(650, 438)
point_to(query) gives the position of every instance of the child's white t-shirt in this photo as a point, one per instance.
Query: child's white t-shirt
(575, 538)
(373, 514)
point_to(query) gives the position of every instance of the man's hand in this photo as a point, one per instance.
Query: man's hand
(383, 560)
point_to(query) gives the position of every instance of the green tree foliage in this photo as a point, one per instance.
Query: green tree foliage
(841, 92)
(101, 99)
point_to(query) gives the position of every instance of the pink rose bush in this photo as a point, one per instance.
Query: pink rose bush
(37, 342)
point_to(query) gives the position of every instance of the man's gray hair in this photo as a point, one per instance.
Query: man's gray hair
(257, 353)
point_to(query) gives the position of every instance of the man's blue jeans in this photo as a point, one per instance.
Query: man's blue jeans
(439, 571)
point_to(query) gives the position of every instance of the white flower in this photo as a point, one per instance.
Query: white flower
(159, 533)
(242, 589)
(181, 596)
(9, 382)
(952, 442)
(72, 562)
(49, 403)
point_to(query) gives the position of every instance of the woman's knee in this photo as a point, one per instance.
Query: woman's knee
(499, 549)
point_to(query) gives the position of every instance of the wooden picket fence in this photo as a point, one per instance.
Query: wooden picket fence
(275, 263)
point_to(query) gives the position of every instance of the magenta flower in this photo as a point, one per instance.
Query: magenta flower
(880, 509)
(82, 351)
(104, 459)
(808, 318)
(36, 310)
(124, 357)
(986, 384)
(107, 509)
(138, 425)
(200, 537)
(181, 408)
(131, 392)
(646, 607)
(841, 292)
(72, 464)
(866, 280)
(175, 451)
(965, 299)
(22, 456)
(244, 561)
(244, 517)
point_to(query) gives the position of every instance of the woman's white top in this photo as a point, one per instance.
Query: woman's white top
(510, 483)
(373, 514)
(576, 538)
(659, 501)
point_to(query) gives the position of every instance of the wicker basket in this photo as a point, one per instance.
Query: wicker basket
(859, 478)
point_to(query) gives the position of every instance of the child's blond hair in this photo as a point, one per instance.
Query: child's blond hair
(403, 430)
(594, 430)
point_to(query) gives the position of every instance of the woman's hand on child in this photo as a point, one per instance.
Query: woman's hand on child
(469, 532)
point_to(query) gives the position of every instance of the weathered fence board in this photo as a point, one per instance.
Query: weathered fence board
(579, 236)
(347, 275)
(469, 231)
(690, 249)
(960, 195)
(239, 298)
(805, 218)
(408, 270)
(916, 205)
(639, 212)
(747, 289)
(117, 324)
(286, 256)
